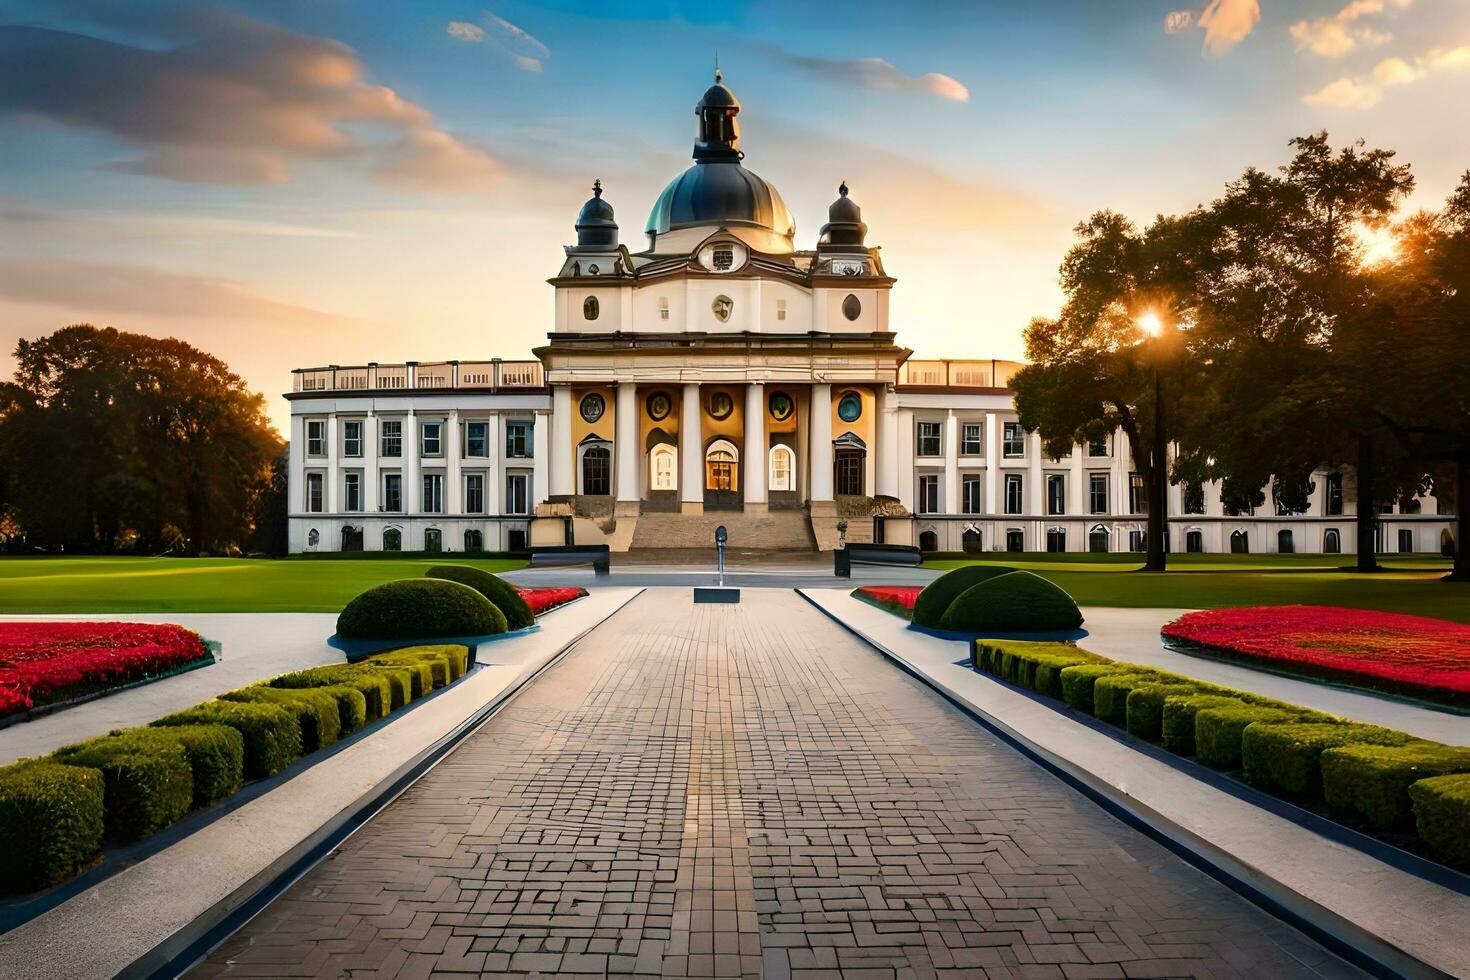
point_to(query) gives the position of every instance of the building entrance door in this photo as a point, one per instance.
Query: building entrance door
(722, 476)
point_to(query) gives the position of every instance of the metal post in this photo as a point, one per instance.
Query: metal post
(721, 535)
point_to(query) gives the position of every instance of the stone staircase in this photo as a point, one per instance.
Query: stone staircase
(778, 530)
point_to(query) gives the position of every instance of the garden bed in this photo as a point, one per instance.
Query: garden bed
(1411, 656)
(897, 599)
(546, 599)
(47, 665)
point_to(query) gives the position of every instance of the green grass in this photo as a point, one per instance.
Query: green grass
(1408, 584)
(101, 585)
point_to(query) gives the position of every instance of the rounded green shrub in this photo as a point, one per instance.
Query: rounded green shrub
(1110, 694)
(374, 685)
(1286, 758)
(420, 607)
(272, 734)
(51, 820)
(1017, 602)
(216, 756)
(506, 597)
(146, 781)
(934, 600)
(1144, 709)
(1179, 714)
(315, 711)
(1442, 816)
(1218, 730)
(1078, 682)
(1372, 782)
(420, 675)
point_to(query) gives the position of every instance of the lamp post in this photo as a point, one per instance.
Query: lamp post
(1157, 333)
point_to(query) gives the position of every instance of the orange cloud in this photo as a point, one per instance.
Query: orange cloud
(875, 75)
(1340, 34)
(1228, 22)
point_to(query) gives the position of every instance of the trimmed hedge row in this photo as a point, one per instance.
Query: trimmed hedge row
(55, 812)
(1376, 777)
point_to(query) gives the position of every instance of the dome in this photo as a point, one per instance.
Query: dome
(595, 226)
(844, 230)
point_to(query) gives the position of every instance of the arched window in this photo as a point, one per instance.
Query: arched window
(1015, 539)
(928, 541)
(782, 468)
(313, 538)
(1056, 539)
(595, 456)
(1284, 543)
(1194, 541)
(1098, 538)
(433, 541)
(392, 539)
(1239, 543)
(474, 540)
(663, 467)
(971, 540)
(590, 308)
(1331, 542)
(721, 461)
(351, 538)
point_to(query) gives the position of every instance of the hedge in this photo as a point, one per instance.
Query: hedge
(1030, 664)
(51, 822)
(422, 607)
(1442, 815)
(935, 598)
(444, 663)
(505, 597)
(1179, 718)
(419, 673)
(1371, 782)
(374, 685)
(147, 783)
(1144, 709)
(1110, 693)
(1078, 682)
(1012, 603)
(1218, 731)
(216, 756)
(1284, 759)
(315, 711)
(272, 734)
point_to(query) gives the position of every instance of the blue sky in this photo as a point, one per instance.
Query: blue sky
(291, 184)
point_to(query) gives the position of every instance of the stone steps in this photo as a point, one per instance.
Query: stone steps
(780, 530)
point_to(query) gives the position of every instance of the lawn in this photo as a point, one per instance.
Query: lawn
(107, 585)
(1409, 584)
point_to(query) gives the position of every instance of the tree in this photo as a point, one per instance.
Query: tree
(1095, 368)
(154, 435)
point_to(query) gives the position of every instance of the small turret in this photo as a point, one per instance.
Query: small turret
(596, 229)
(844, 230)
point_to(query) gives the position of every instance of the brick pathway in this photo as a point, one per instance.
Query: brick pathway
(747, 790)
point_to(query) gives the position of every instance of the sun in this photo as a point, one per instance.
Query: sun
(1380, 245)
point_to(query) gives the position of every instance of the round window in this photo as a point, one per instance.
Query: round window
(850, 407)
(590, 308)
(781, 406)
(852, 307)
(659, 406)
(592, 407)
(721, 405)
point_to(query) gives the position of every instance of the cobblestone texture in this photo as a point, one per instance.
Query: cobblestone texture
(721, 791)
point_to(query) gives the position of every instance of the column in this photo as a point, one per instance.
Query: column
(1076, 492)
(413, 491)
(334, 469)
(453, 493)
(754, 479)
(993, 503)
(296, 466)
(951, 503)
(1035, 495)
(885, 481)
(494, 469)
(540, 458)
(906, 484)
(626, 443)
(691, 452)
(370, 475)
(821, 445)
(561, 451)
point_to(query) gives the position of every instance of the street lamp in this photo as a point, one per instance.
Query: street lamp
(1155, 330)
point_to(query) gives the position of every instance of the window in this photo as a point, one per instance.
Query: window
(313, 538)
(316, 437)
(1137, 541)
(474, 540)
(663, 307)
(315, 493)
(392, 539)
(352, 438)
(590, 308)
(1015, 441)
(1097, 447)
(474, 493)
(929, 438)
(352, 491)
(517, 493)
(1406, 541)
(1015, 539)
(1013, 493)
(477, 439)
(1284, 543)
(663, 468)
(1194, 498)
(1056, 539)
(392, 491)
(1331, 542)
(780, 309)
(1137, 496)
(929, 494)
(970, 434)
(1056, 494)
(782, 468)
(433, 540)
(1332, 505)
(722, 258)
(1097, 493)
(1239, 543)
(1283, 509)
(433, 502)
(1194, 542)
(849, 465)
(970, 493)
(518, 440)
(431, 439)
(1097, 539)
(391, 438)
(596, 469)
(971, 540)
(928, 541)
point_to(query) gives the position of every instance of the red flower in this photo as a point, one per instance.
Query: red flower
(45, 662)
(540, 600)
(1414, 655)
(897, 599)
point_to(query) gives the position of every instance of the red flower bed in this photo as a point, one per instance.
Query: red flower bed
(541, 600)
(44, 663)
(1414, 655)
(897, 599)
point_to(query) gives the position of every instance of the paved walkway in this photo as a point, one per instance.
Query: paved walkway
(747, 790)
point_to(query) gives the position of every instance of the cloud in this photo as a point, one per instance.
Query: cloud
(426, 159)
(1366, 91)
(1341, 34)
(1395, 71)
(517, 44)
(1228, 22)
(875, 75)
(238, 102)
(1346, 93)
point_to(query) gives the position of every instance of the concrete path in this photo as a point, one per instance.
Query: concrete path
(253, 646)
(1133, 635)
(744, 791)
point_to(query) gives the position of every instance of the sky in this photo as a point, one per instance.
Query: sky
(293, 184)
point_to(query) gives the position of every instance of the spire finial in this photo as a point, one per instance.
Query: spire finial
(597, 187)
(719, 75)
(842, 188)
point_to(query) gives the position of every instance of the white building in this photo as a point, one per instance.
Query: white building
(720, 375)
